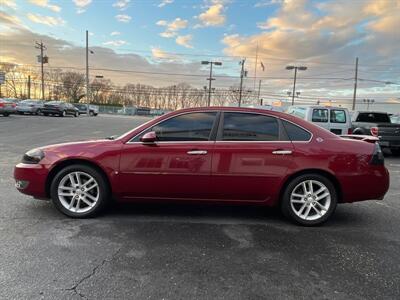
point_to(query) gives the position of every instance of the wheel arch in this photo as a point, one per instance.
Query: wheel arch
(321, 172)
(65, 163)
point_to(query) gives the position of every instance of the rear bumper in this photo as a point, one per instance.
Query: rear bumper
(368, 186)
(389, 141)
(31, 179)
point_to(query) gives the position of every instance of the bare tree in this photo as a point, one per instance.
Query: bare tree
(73, 85)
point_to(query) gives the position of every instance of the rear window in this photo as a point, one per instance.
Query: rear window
(296, 133)
(373, 117)
(338, 116)
(320, 115)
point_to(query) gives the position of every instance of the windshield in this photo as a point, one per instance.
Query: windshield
(373, 118)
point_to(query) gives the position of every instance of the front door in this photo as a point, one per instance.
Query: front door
(177, 166)
(250, 157)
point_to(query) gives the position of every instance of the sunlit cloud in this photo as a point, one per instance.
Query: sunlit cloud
(121, 4)
(171, 28)
(46, 4)
(114, 33)
(123, 18)
(213, 16)
(81, 5)
(165, 2)
(8, 3)
(116, 43)
(184, 40)
(45, 20)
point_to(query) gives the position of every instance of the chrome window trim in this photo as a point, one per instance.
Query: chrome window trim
(216, 141)
(180, 114)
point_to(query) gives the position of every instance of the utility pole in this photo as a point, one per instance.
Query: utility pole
(211, 63)
(242, 74)
(29, 86)
(87, 73)
(42, 47)
(355, 85)
(259, 91)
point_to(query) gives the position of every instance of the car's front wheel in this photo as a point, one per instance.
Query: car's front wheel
(79, 191)
(309, 199)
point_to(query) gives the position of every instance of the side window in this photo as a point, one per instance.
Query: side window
(296, 133)
(249, 127)
(320, 115)
(187, 127)
(338, 116)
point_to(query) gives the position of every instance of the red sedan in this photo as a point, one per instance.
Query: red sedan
(217, 154)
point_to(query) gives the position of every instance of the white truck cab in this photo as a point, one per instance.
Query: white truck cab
(334, 119)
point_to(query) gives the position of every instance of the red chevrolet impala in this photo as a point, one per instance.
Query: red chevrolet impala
(217, 154)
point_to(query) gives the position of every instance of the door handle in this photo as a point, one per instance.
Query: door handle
(197, 152)
(282, 152)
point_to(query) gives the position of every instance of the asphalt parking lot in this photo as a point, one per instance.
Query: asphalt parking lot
(185, 251)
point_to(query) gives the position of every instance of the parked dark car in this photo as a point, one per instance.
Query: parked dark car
(7, 107)
(215, 154)
(378, 124)
(30, 106)
(83, 109)
(59, 108)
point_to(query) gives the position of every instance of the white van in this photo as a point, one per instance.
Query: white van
(334, 119)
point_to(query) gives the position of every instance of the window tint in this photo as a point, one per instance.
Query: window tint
(373, 117)
(249, 127)
(320, 115)
(187, 127)
(295, 133)
(338, 116)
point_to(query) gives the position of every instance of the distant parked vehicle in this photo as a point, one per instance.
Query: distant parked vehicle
(59, 108)
(30, 106)
(127, 110)
(378, 124)
(7, 107)
(83, 109)
(335, 119)
(395, 118)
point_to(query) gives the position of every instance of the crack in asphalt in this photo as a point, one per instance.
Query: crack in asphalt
(91, 274)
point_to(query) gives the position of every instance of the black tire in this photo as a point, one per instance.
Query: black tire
(104, 191)
(46, 114)
(395, 152)
(286, 206)
(91, 113)
(20, 113)
(63, 113)
(6, 114)
(38, 111)
(95, 115)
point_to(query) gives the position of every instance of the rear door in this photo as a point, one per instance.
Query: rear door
(250, 157)
(339, 121)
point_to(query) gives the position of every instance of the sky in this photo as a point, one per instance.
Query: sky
(162, 42)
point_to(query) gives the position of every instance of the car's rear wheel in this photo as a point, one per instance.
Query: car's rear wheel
(309, 199)
(76, 114)
(63, 113)
(91, 113)
(38, 111)
(79, 191)
(6, 114)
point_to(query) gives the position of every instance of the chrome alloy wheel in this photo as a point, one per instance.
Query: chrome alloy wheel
(310, 200)
(78, 192)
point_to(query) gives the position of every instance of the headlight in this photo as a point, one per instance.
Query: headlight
(33, 156)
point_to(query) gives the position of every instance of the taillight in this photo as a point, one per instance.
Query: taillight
(1, 104)
(377, 156)
(374, 131)
(350, 131)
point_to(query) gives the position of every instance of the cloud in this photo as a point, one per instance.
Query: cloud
(158, 53)
(123, 18)
(45, 20)
(115, 43)
(9, 3)
(115, 33)
(121, 4)
(165, 2)
(264, 3)
(46, 4)
(184, 40)
(213, 16)
(171, 28)
(81, 5)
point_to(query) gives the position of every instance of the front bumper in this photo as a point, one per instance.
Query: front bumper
(26, 109)
(31, 179)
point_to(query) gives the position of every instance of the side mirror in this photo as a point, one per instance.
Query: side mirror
(149, 138)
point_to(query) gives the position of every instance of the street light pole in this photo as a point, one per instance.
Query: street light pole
(210, 79)
(87, 72)
(300, 68)
(242, 74)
